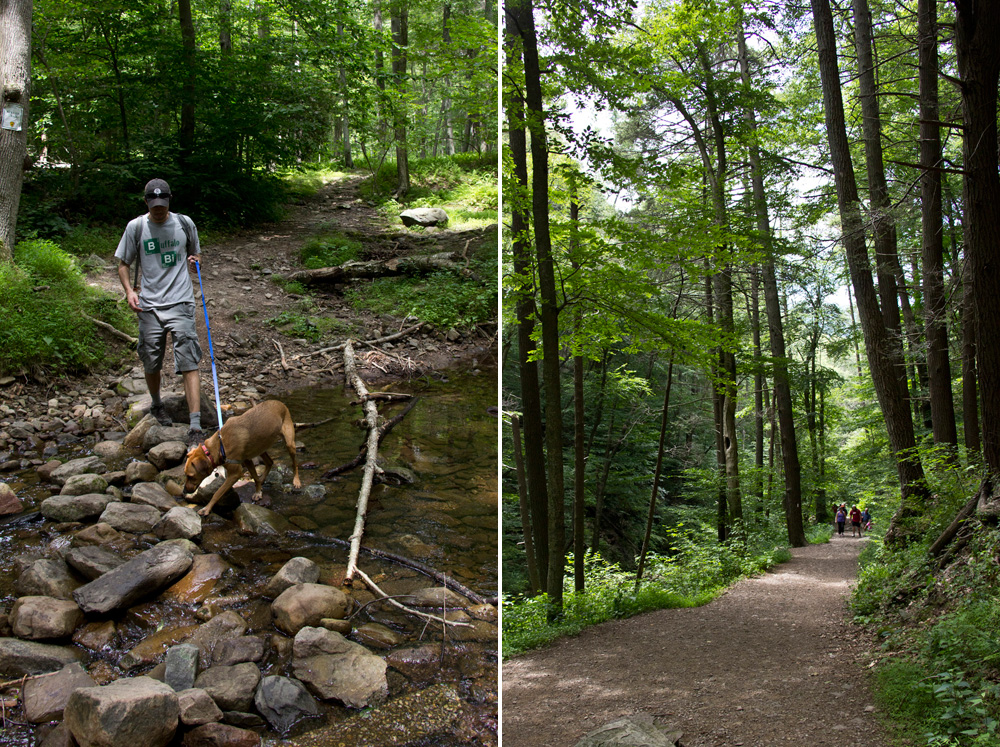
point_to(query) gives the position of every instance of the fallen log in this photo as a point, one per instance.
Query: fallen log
(445, 580)
(371, 418)
(387, 338)
(361, 269)
(111, 330)
(948, 534)
(382, 431)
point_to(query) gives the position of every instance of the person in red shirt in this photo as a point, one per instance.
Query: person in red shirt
(855, 522)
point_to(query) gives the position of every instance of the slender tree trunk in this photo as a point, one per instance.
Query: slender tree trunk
(758, 386)
(531, 402)
(931, 224)
(579, 431)
(400, 24)
(525, 507)
(345, 119)
(884, 349)
(977, 44)
(776, 335)
(970, 386)
(602, 481)
(656, 472)
(449, 134)
(186, 135)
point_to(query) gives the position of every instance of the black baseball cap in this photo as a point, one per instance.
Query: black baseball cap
(157, 193)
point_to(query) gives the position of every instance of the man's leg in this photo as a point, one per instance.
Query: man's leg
(192, 391)
(152, 344)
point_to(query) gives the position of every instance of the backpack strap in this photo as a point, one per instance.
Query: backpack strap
(138, 256)
(188, 225)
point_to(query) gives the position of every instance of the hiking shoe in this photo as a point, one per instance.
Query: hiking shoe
(160, 413)
(196, 436)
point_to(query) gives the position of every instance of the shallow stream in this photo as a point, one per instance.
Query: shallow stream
(446, 518)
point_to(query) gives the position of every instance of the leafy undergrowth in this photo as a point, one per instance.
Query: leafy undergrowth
(42, 295)
(937, 670)
(693, 575)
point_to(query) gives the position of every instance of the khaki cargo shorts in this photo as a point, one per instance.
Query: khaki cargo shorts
(154, 325)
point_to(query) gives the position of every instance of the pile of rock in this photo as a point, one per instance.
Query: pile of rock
(123, 539)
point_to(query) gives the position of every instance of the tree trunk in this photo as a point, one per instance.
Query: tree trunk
(977, 44)
(549, 301)
(400, 24)
(522, 493)
(758, 386)
(970, 386)
(932, 243)
(579, 431)
(531, 403)
(885, 354)
(186, 135)
(776, 334)
(15, 77)
(656, 472)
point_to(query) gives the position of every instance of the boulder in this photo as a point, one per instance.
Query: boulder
(182, 667)
(135, 436)
(179, 522)
(9, 502)
(424, 217)
(46, 697)
(334, 668)
(95, 635)
(139, 472)
(295, 571)
(145, 574)
(225, 625)
(238, 650)
(98, 535)
(153, 494)
(232, 688)
(82, 484)
(284, 701)
(93, 561)
(220, 735)
(167, 454)
(159, 434)
(109, 449)
(438, 596)
(421, 663)
(46, 578)
(19, 658)
(630, 732)
(378, 636)
(126, 713)
(40, 618)
(130, 517)
(304, 605)
(151, 649)
(84, 465)
(253, 519)
(75, 507)
(45, 471)
(197, 707)
(200, 580)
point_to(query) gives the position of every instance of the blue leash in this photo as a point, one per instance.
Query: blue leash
(211, 353)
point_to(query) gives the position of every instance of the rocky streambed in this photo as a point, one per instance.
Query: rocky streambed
(128, 619)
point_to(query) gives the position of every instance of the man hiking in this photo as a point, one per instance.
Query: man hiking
(160, 242)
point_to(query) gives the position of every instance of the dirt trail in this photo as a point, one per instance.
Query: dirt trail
(774, 661)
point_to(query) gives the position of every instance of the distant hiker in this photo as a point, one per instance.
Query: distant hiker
(160, 242)
(855, 522)
(866, 519)
(841, 518)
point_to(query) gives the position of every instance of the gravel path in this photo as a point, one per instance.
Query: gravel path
(774, 661)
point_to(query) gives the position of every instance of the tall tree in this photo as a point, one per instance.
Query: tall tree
(15, 77)
(400, 24)
(187, 130)
(775, 326)
(885, 354)
(977, 45)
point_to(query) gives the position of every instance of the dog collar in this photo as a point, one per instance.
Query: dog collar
(208, 454)
(222, 453)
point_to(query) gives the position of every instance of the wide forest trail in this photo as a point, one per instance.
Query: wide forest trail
(773, 661)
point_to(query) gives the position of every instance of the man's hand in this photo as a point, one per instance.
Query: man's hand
(133, 300)
(192, 261)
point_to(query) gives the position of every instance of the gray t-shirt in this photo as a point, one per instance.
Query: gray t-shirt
(163, 253)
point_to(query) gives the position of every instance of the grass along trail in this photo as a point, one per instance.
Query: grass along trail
(773, 661)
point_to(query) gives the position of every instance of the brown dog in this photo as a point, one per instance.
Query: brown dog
(241, 439)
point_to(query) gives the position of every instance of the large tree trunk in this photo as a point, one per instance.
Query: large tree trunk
(932, 243)
(977, 44)
(885, 352)
(970, 386)
(776, 334)
(531, 402)
(15, 77)
(534, 102)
